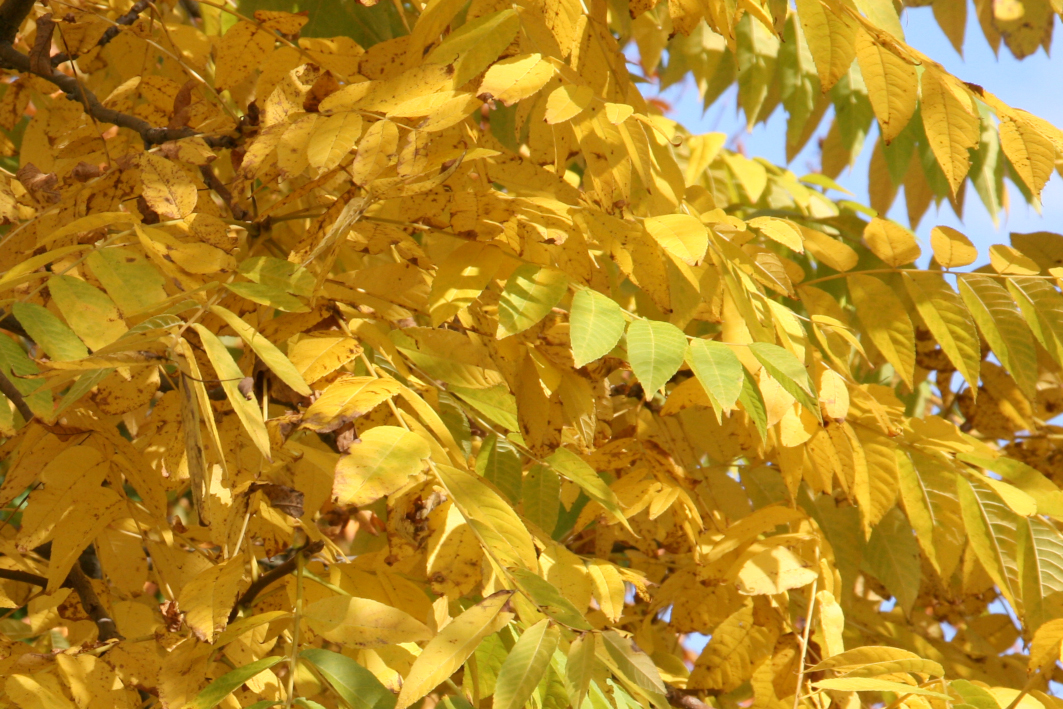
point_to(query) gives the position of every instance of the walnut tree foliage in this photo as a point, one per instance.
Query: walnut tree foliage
(385, 354)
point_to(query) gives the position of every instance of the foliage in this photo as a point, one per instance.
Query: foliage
(379, 355)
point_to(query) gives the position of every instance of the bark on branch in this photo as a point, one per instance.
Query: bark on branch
(112, 31)
(12, 13)
(92, 604)
(8, 388)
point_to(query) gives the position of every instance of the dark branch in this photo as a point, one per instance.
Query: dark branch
(91, 603)
(112, 31)
(24, 577)
(274, 574)
(14, 59)
(12, 13)
(238, 212)
(8, 388)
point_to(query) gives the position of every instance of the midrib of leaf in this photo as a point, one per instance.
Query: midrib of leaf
(991, 513)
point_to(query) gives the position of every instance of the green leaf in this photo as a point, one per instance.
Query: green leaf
(229, 682)
(886, 322)
(496, 403)
(273, 358)
(16, 364)
(596, 324)
(530, 294)
(892, 555)
(753, 403)
(48, 331)
(526, 665)
(270, 271)
(578, 471)
(268, 295)
(872, 684)
(356, 685)
(129, 278)
(491, 518)
(580, 668)
(786, 369)
(541, 495)
(229, 373)
(990, 527)
(1040, 562)
(719, 371)
(499, 462)
(549, 600)
(949, 322)
(328, 18)
(1003, 326)
(655, 350)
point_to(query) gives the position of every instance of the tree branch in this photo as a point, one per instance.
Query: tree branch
(274, 574)
(8, 388)
(75, 91)
(238, 212)
(24, 577)
(91, 603)
(12, 13)
(112, 31)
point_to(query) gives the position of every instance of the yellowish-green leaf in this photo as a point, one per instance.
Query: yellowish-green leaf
(530, 294)
(516, 78)
(944, 313)
(48, 331)
(578, 471)
(379, 464)
(266, 350)
(719, 371)
(596, 324)
(1003, 326)
(892, 555)
(491, 517)
(448, 650)
(363, 623)
(525, 665)
(567, 102)
(655, 350)
(873, 684)
(88, 311)
(951, 124)
(990, 527)
(887, 324)
(247, 410)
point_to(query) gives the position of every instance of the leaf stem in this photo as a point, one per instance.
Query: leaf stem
(804, 641)
(293, 656)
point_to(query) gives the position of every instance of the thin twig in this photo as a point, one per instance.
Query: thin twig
(274, 574)
(8, 388)
(92, 604)
(238, 212)
(804, 641)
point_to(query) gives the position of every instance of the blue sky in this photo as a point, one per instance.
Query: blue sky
(1034, 84)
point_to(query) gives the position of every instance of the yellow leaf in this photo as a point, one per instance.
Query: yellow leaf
(833, 252)
(831, 38)
(1009, 260)
(887, 324)
(891, 242)
(775, 570)
(208, 599)
(363, 623)
(376, 150)
(680, 235)
(567, 102)
(491, 517)
(167, 188)
(346, 399)
(780, 231)
(332, 139)
(1032, 155)
(516, 78)
(379, 464)
(951, 124)
(241, 51)
(892, 85)
(454, 644)
(951, 248)
(608, 588)
(316, 355)
(949, 321)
